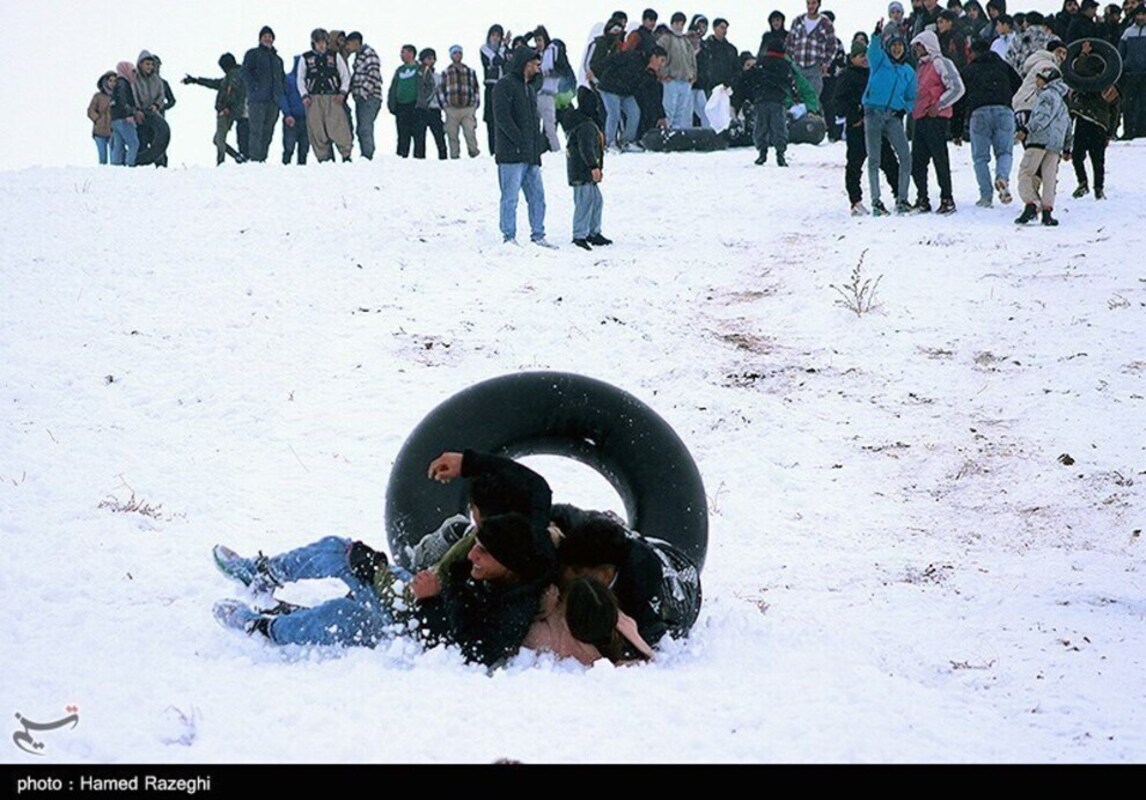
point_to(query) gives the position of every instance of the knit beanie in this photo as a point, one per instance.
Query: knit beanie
(508, 538)
(263, 31)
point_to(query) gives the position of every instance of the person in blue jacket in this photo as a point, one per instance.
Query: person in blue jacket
(294, 118)
(889, 96)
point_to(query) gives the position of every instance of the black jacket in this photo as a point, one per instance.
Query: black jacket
(122, 99)
(621, 73)
(769, 81)
(717, 63)
(518, 137)
(263, 74)
(849, 93)
(584, 151)
(990, 81)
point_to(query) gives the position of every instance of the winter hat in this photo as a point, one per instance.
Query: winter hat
(892, 7)
(263, 31)
(858, 49)
(227, 62)
(125, 69)
(614, 26)
(509, 539)
(1055, 44)
(455, 48)
(776, 15)
(104, 77)
(1088, 4)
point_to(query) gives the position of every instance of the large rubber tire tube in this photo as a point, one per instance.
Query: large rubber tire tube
(680, 140)
(559, 414)
(1105, 52)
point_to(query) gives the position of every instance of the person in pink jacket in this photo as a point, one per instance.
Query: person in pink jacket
(939, 87)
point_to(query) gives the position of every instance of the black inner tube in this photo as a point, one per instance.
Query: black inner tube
(1090, 78)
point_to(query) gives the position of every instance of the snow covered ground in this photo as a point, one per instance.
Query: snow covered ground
(901, 567)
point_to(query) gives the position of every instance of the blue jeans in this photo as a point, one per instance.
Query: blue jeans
(124, 142)
(514, 179)
(992, 127)
(587, 206)
(360, 618)
(678, 104)
(103, 143)
(880, 124)
(699, 101)
(620, 108)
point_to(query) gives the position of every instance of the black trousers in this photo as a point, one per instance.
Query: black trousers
(429, 118)
(487, 117)
(404, 119)
(930, 145)
(1089, 140)
(857, 157)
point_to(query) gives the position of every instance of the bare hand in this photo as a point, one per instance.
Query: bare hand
(288, 121)
(426, 584)
(596, 174)
(339, 98)
(445, 467)
(306, 101)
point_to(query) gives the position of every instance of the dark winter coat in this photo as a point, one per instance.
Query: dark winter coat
(1082, 27)
(990, 81)
(585, 150)
(518, 136)
(290, 101)
(122, 99)
(717, 63)
(849, 94)
(230, 92)
(622, 73)
(263, 74)
(1095, 108)
(770, 81)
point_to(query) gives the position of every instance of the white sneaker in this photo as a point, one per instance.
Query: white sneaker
(858, 210)
(509, 241)
(542, 242)
(984, 202)
(631, 148)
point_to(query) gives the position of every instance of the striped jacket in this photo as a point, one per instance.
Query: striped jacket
(366, 81)
(460, 88)
(810, 49)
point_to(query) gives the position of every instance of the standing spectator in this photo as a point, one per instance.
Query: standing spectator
(295, 138)
(99, 112)
(925, 18)
(849, 102)
(1132, 48)
(123, 110)
(403, 98)
(719, 57)
(827, 98)
(1095, 121)
(890, 94)
(1046, 140)
(952, 42)
(650, 92)
(939, 88)
(519, 146)
(151, 99)
(230, 103)
(642, 39)
(1110, 28)
(168, 102)
(263, 75)
(896, 25)
(679, 73)
(812, 45)
(493, 63)
(323, 84)
(1034, 38)
(550, 83)
(606, 44)
(619, 77)
(1004, 36)
(428, 106)
(1060, 24)
(991, 83)
(1024, 100)
(462, 95)
(585, 157)
(769, 84)
(366, 89)
(1084, 24)
(697, 28)
(776, 29)
(976, 24)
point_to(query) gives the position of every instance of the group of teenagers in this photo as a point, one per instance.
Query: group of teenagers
(518, 572)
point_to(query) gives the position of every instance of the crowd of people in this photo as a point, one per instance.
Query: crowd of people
(929, 74)
(518, 571)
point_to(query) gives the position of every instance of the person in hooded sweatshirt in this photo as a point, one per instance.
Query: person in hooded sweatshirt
(939, 88)
(151, 99)
(890, 95)
(849, 101)
(1047, 140)
(769, 84)
(124, 117)
(520, 143)
(585, 158)
(99, 112)
(230, 101)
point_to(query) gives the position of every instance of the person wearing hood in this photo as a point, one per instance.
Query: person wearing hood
(1046, 141)
(769, 85)
(679, 73)
(776, 29)
(520, 143)
(230, 101)
(850, 91)
(125, 115)
(296, 142)
(939, 87)
(151, 99)
(991, 83)
(99, 112)
(550, 85)
(494, 58)
(262, 73)
(1061, 22)
(585, 159)
(1024, 100)
(323, 84)
(890, 95)
(896, 24)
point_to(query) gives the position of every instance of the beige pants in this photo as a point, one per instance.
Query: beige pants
(325, 123)
(466, 119)
(1038, 164)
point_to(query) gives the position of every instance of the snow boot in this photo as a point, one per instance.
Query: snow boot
(1030, 211)
(946, 207)
(597, 240)
(238, 616)
(762, 158)
(859, 211)
(1082, 191)
(1099, 193)
(780, 160)
(878, 209)
(583, 244)
(1048, 220)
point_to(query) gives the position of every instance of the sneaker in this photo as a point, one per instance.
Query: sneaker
(902, 207)
(237, 615)
(922, 207)
(858, 209)
(761, 159)
(631, 147)
(597, 240)
(1030, 211)
(254, 573)
(780, 160)
(878, 209)
(543, 242)
(1048, 220)
(984, 202)
(1099, 193)
(1082, 191)
(510, 241)
(1004, 192)
(946, 207)
(583, 244)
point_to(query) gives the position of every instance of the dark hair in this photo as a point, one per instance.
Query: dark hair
(495, 28)
(318, 35)
(948, 15)
(427, 52)
(595, 540)
(719, 21)
(499, 493)
(1035, 18)
(657, 50)
(678, 17)
(979, 46)
(226, 63)
(540, 30)
(409, 48)
(649, 13)
(777, 15)
(619, 15)
(591, 613)
(355, 35)
(1006, 19)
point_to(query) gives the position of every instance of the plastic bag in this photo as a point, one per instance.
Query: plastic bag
(718, 109)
